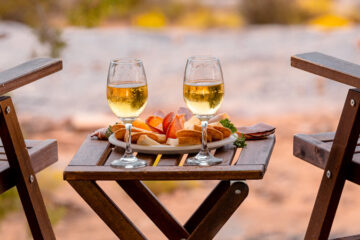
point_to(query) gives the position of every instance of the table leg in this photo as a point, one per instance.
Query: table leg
(107, 210)
(206, 206)
(151, 206)
(221, 211)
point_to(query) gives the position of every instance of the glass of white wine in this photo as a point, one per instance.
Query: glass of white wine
(127, 96)
(203, 92)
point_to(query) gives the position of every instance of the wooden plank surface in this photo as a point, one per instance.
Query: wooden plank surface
(355, 237)
(27, 72)
(239, 172)
(329, 67)
(91, 152)
(257, 152)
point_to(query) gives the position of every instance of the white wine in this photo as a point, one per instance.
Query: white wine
(127, 100)
(203, 97)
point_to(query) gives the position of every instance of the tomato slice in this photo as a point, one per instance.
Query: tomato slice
(155, 123)
(176, 125)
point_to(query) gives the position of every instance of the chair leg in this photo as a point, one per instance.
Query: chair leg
(336, 169)
(220, 213)
(26, 183)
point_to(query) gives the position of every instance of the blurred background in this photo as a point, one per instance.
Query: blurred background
(254, 40)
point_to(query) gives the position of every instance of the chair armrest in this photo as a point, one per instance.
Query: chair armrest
(329, 67)
(27, 72)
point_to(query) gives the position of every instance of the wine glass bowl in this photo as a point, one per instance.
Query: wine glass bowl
(203, 92)
(127, 96)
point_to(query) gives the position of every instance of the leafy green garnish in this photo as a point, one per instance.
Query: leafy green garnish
(228, 124)
(240, 142)
(108, 131)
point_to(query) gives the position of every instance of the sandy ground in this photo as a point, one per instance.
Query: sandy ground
(278, 207)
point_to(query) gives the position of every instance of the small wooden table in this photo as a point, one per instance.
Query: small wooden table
(91, 164)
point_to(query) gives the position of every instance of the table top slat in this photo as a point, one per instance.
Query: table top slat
(226, 153)
(257, 152)
(91, 153)
(238, 172)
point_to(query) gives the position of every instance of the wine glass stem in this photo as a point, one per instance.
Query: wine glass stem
(128, 150)
(204, 147)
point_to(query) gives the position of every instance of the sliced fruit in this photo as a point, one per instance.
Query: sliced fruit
(176, 125)
(155, 123)
(167, 121)
(139, 123)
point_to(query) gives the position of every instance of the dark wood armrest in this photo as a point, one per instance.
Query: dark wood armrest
(27, 72)
(329, 67)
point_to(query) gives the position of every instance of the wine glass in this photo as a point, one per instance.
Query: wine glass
(127, 96)
(203, 92)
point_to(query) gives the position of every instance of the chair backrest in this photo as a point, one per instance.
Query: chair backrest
(339, 163)
(18, 158)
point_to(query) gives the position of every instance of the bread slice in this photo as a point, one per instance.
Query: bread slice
(183, 141)
(146, 141)
(225, 131)
(119, 134)
(213, 134)
(188, 133)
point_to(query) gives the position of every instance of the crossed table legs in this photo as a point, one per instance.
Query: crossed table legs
(206, 221)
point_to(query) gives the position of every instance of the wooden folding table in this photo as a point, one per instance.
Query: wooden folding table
(92, 163)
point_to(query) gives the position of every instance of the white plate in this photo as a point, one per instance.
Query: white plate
(167, 149)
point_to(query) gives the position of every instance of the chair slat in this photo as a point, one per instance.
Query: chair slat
(27, 72)
(43, 156)
(329, 67)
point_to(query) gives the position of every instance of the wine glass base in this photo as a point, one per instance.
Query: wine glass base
(204, 159)
(129, 161)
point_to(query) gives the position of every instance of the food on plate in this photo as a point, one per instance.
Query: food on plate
(176, 125)
(188, 133)
(213, 134)
(174, 130)
(135, 136)
(191, 122)
(219, 117)
(167, 121)
(141, 124)
(225, 131)
(155, 123)
(183, 141)
(119, 134)
(146, 141)
(117, 126)
(161, 138)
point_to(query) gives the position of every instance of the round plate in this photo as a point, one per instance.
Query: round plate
(167, 149)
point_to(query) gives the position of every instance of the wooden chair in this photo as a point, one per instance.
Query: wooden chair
(19, 159)
(337, 153)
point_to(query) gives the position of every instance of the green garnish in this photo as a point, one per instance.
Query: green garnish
(228, 124)
(240, 142)
(108, 131)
